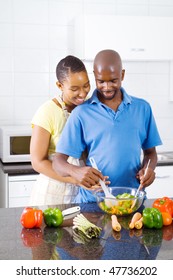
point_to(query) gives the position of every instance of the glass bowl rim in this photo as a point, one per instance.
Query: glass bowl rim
(140, 195)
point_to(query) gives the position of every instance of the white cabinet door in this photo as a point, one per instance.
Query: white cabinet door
(163, 184)
(20, 188)
(135, 38)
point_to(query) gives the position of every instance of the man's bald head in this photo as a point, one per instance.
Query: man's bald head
(107, 60)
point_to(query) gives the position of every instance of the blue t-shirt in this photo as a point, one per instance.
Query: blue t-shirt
(114, 139)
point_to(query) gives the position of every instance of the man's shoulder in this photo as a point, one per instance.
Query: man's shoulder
(139, 100)
(134, 99)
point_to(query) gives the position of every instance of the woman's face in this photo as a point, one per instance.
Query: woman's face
(75, 88)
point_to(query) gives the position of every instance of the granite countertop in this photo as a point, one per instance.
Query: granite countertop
(17, 243)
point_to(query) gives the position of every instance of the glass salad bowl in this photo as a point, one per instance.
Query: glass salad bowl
(124, 203)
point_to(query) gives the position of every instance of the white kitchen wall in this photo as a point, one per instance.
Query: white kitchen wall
(36, 34)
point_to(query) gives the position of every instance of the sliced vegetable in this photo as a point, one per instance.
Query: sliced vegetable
(167, 218)
(164, 204)
(122, 208)
(152, 218)
(53, 217)
(84, 227)
(139, 223)
(134, 219)
(124, 195)
(115, 224)
(123, 205)
(31, 217)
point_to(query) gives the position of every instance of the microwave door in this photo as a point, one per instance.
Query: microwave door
(19, 145)
(19, 148)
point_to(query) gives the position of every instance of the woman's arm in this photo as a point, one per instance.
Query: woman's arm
(39, 155)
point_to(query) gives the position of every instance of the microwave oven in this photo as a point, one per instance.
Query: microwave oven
(15, 144)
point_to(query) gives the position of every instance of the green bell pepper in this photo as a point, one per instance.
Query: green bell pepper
(152, 218)
(53, 217)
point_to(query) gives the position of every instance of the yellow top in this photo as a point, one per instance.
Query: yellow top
(50, 117)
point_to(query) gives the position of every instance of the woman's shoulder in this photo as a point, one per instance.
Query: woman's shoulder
(48, 109)
(48, 106)
(47, 116)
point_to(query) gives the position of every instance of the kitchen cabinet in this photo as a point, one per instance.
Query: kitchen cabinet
(163, 184)
(20, 188)
(15, 189)
(135, 38)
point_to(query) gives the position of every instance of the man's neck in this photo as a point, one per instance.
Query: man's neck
(113, 103)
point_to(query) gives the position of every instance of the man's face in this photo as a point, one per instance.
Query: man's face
(108, 82)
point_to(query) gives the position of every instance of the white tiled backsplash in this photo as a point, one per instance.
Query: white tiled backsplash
(36, 34)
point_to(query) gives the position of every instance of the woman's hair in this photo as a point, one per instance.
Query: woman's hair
(69, 64)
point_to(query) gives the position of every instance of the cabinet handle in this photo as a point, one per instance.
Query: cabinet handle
(163, 177)
(137, 50)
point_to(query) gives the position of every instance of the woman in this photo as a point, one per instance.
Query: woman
(47, 125)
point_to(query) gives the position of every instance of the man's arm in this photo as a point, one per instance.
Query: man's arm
(85, 175)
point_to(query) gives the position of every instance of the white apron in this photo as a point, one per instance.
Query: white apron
(47, 191)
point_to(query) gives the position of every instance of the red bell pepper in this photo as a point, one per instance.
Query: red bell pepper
(164, 204)
(31, 217)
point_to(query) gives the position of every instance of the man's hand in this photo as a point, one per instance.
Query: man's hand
(87, 176)
(148, 179)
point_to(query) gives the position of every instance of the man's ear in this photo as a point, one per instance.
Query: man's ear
(122, 74)
(59, 85)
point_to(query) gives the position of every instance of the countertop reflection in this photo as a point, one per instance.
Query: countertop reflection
(46, 243)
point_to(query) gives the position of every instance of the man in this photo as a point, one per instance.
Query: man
(114, 128)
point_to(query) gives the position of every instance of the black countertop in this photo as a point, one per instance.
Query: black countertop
(22, 168)
(165, 158)
(17, 168)
(165, 163)
(17, 243)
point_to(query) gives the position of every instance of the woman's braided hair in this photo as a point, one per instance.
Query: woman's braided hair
(69, 64)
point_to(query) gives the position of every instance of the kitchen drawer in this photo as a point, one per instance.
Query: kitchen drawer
(20, 189)
(18, 201)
